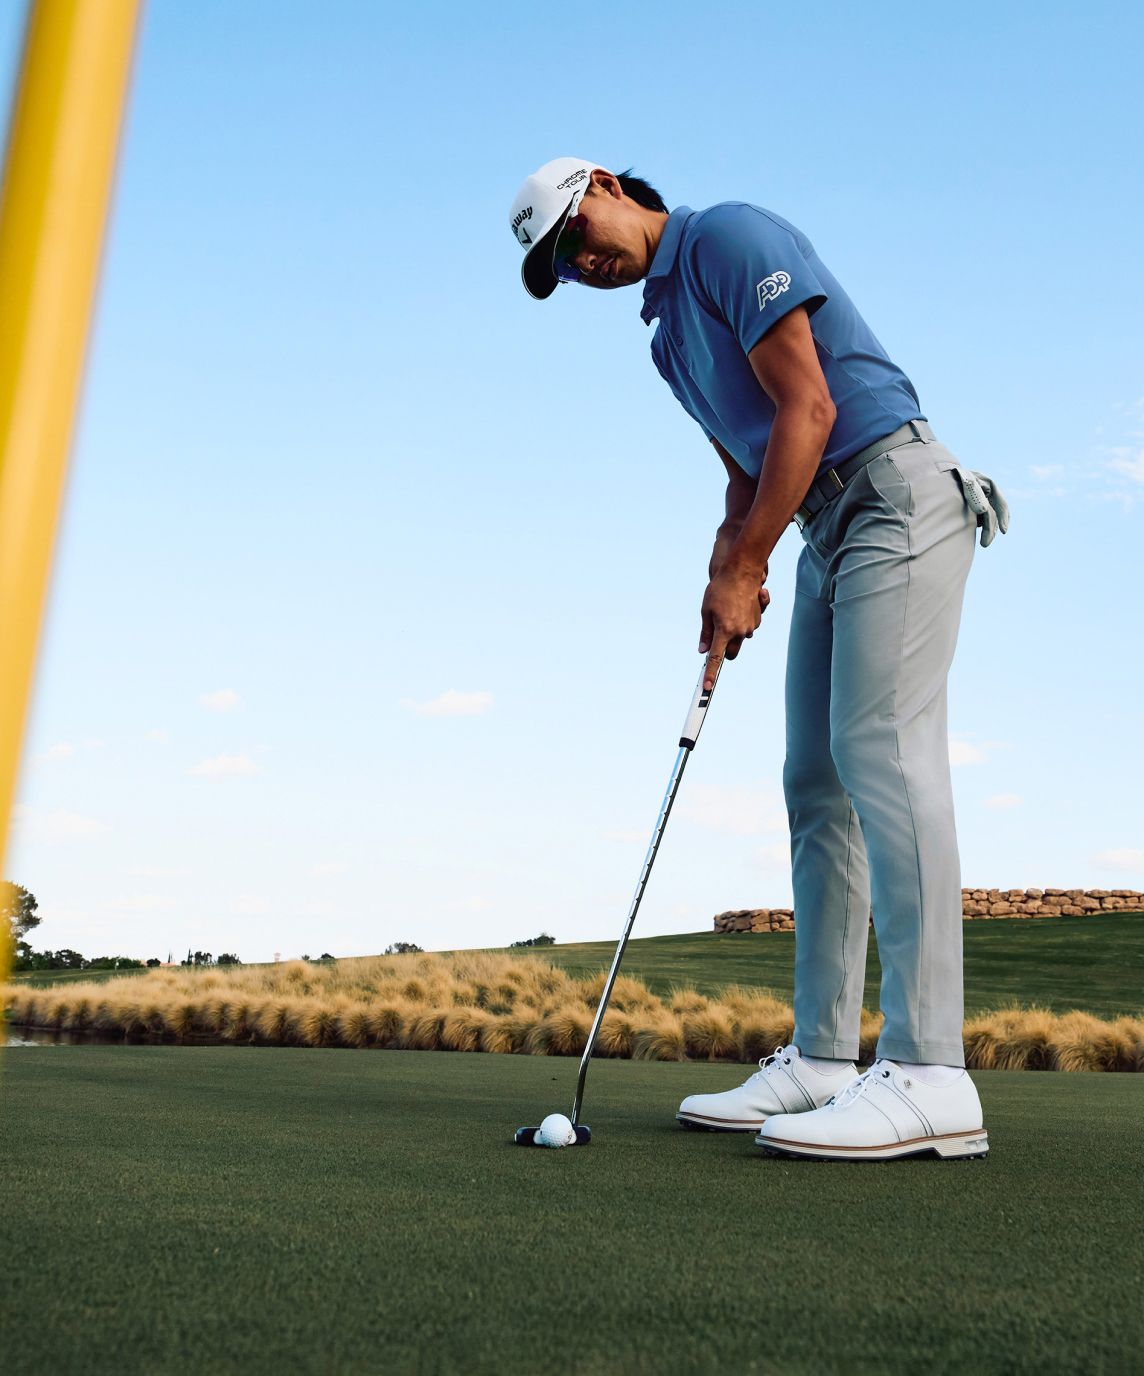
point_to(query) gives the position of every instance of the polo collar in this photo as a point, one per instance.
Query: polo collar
(664, 261)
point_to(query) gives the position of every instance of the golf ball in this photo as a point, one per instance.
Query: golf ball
(556, 1131)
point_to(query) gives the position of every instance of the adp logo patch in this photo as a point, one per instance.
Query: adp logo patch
(772, 286)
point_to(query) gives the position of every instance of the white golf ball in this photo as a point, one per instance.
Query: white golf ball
(556, 1131)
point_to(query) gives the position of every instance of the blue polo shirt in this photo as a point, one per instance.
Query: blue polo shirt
(719, 281)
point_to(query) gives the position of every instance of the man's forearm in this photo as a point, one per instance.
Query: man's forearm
(794, 451)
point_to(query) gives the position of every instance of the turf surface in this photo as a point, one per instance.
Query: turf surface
(171, 1209)
(1092, 963)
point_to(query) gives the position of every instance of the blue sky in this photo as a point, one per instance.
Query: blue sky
(376, 606)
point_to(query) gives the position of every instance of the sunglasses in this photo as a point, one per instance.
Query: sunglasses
(569, 243)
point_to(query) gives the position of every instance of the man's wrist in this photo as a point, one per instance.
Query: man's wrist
(747, 563)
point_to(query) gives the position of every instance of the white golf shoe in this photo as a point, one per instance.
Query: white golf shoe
(783, 1084)
(883, 1114)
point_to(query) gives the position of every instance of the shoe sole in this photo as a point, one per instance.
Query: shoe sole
(700, 1124)
(947, 1146)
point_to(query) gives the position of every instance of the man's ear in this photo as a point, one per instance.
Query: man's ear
(607, 183)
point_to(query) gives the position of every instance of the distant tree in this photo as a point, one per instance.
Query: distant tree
(66, 959)
(112, 963)
(305, 957)
(153, 962)
(402, 948)
(18, 909)
(544, 939)
(228, 958)
(326, 956)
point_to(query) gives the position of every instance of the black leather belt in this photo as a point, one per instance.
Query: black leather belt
(828, 485)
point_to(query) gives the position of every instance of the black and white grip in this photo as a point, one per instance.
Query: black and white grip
(698, 711)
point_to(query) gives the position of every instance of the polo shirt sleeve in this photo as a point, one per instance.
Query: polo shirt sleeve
(753, 270)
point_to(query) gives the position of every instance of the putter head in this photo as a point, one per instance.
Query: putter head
(526, 1137)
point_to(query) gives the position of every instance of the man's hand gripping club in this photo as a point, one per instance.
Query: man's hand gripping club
(733, 606)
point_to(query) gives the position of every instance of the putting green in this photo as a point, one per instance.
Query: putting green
(174, 1209)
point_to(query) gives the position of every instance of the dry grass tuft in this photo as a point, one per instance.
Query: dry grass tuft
(423, 1030)
(463, 1028)
(509, 1004)
(710, 1033)
(617, 1034)
(661, 1040)
(870, 1029)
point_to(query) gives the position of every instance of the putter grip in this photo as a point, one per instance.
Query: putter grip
(699, 703)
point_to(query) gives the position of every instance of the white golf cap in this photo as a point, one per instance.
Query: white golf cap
(542, 205)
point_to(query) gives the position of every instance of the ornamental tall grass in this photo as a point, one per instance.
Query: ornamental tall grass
(513, 1005)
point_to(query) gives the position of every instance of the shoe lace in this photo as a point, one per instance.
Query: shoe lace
(771, 1062)
(856, 1088)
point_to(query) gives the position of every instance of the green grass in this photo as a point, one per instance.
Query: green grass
(1091, 963)
(169, 1209)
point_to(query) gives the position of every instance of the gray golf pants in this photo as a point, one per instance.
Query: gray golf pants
(877, 607)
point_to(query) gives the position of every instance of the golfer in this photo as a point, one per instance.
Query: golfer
(815, 424)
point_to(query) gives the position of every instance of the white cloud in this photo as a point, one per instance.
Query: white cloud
(1130, 465)
(962, 751)
(326, 869)
(222, 700)
(65, 750)
(225, 766)
(139, 903)
(737, 811)
(1004, 800)
(776, 857)
(472, 904)
(55, 826)
(62, 750)
(1123, 859)
(451, 703)
(159, 736)
(1046, 470)
(249, 905)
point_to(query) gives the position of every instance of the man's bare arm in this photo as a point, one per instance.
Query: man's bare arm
(786, 364)
(787, 368)
(740, 495)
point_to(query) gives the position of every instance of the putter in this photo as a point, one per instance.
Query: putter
(526, 1137)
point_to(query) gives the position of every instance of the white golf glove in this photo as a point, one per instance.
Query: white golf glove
(987, 503)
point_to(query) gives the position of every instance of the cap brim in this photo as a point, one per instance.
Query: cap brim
(536, 270)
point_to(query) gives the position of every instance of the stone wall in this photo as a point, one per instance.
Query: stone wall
(974, 903)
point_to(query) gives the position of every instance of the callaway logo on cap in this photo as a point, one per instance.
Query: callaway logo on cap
(542, 205)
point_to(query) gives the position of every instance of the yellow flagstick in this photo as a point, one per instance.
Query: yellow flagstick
(57, 183)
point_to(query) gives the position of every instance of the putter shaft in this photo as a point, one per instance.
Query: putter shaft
(690, 735)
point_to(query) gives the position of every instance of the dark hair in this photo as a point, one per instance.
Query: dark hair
(643, 193)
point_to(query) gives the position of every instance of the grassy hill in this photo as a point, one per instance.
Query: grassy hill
(1091, 963)
(1060, 963)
